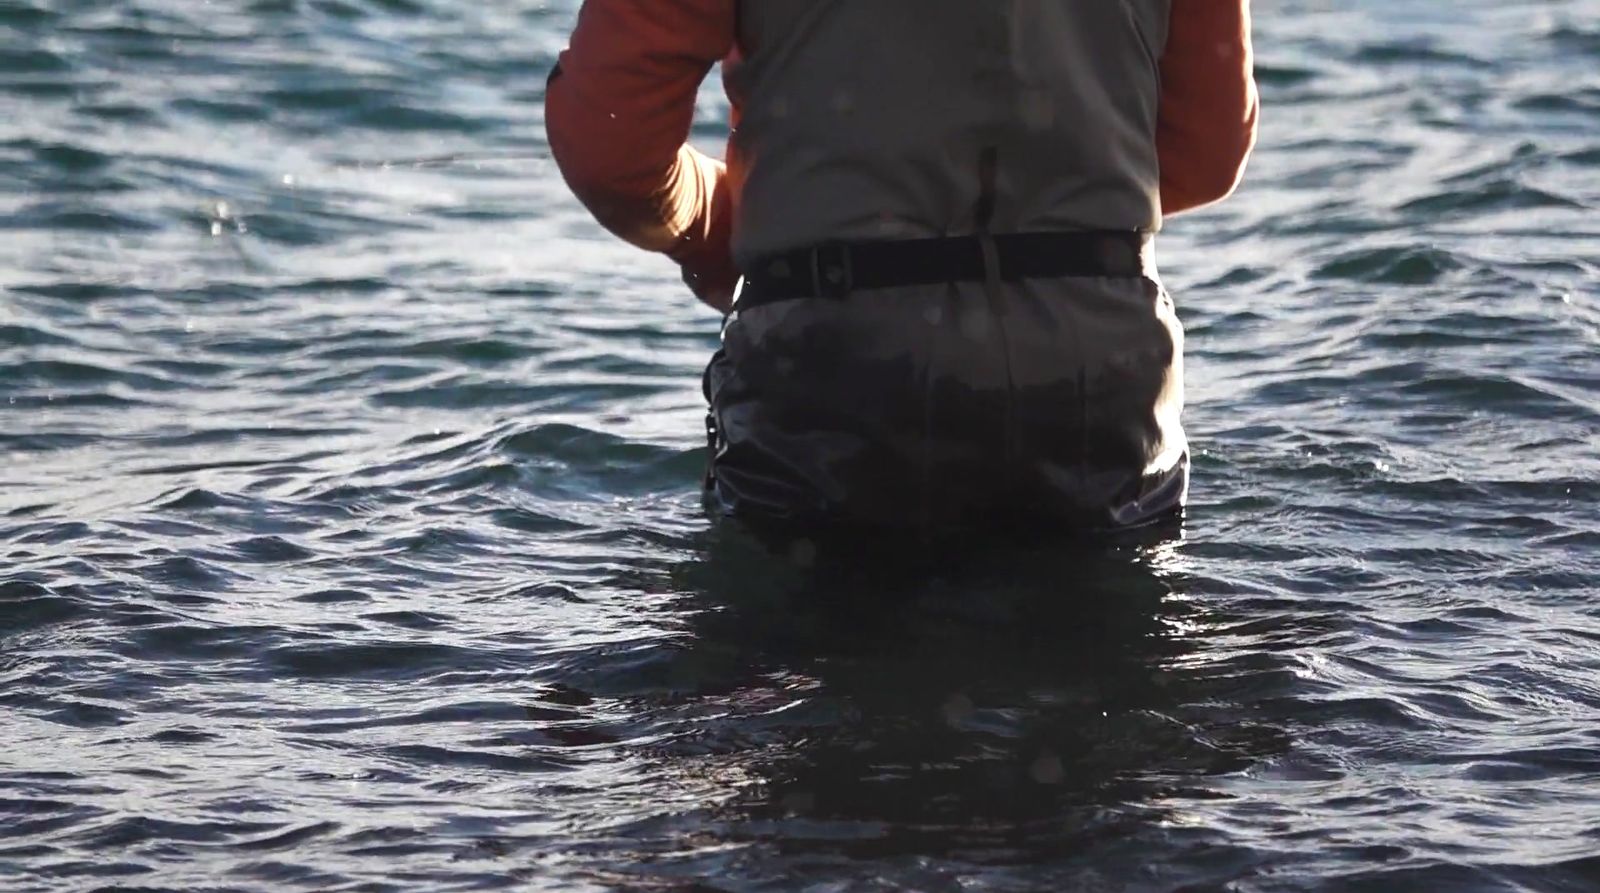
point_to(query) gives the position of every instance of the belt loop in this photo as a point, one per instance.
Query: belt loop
(831, 271)
(983, 214)
(991, 258)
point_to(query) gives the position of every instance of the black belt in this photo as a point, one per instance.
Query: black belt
(836, 269)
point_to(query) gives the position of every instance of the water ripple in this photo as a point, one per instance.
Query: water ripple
(351, 537)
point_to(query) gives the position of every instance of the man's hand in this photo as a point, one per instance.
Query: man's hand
(703, 251)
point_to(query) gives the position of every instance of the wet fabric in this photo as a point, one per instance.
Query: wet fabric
(953, 407)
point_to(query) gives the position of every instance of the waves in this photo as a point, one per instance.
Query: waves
(350, 533)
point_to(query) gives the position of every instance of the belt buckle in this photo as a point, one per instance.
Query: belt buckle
(831, 271)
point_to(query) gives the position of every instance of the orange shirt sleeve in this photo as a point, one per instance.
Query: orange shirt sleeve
(1209, 108)
(618, 109)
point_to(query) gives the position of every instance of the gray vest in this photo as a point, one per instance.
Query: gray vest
(891, 119)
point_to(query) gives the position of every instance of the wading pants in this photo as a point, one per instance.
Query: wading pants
(953, 405)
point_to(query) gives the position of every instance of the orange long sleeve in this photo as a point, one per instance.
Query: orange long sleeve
(1209, 107)
(617, 114)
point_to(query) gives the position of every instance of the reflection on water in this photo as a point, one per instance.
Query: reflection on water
(1003, 705)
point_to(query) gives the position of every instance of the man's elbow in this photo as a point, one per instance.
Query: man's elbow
(635, 216)
(579, 148)
(617, 187)
(1204, 176)
(1219, 178)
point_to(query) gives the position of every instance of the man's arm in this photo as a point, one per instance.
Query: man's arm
(1207, 122)
(617, 113)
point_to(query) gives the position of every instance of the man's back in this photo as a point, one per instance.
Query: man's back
(941, 212)
(882, 120)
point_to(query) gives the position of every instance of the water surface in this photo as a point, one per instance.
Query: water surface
(350, 535)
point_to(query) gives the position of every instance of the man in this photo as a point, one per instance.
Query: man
(941, 212)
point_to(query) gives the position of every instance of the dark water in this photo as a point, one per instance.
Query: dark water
(351, 537)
